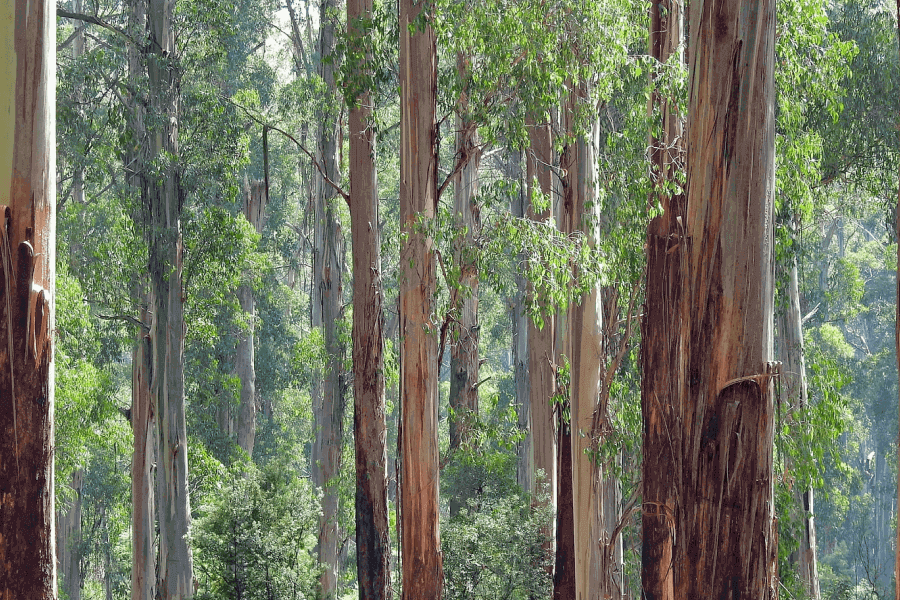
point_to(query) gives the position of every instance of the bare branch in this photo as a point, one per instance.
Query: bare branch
(61, 12)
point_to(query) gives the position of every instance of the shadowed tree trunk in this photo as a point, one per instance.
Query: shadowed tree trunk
(27, 285)
(369, 416)
(725, 519)
(662, 366)
(175, 571)
(422, 563)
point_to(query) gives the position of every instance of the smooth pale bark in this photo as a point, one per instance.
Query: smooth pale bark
(725, 519)
(662, 356)
(328, 265)
(244, 365)
(464, 297)
(143, 515)
(27, 284)
(328, 268)
(143, 409)
(373, 560)
(68, 540)
(794, 389)
(175, 571)
(541, 340)
(422, 563)
(519, 318)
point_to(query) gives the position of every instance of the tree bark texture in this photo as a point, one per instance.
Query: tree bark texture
(27, 313)
(662, 348)
(369, 417)
(68, 540)
(422, 563)
(175, 571)
(328, 269)
(244, 360)
(541, 340)
(726, 519)
(143, 515)
(794, 390)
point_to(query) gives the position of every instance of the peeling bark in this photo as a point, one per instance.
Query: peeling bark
(27, 308)
(662, 349)
(175, 572)
(422, 563)
(143, 515)
(725, 520)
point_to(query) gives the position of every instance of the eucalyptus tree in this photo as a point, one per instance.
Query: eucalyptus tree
(419, 523)
(327, 304)
(724, 451)
(369, 418)
(662, 381)
(28, 247)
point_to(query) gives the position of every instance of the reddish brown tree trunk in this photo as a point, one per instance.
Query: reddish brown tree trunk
(28, 251)
(369, 417)
(725, 519)
(662, 359)
(422, 563)
(564, 570)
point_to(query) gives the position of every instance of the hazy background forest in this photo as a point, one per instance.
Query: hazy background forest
(264, 89)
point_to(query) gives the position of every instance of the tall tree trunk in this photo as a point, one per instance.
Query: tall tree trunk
(27, 285)
(662, 371)
(244, 366)
(420, 542)
(143, 409)
(564, 570)
(68, 540)
(464, 296)
(795, 390)
(525, 451)
(373, 550)
(726, 521)
(175, 572)
(541, 340)
(328, 266)
(586, 360)
(897, 352)
(143, 516)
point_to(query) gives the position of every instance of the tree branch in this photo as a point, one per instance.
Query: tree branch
(61, 12)
(315, 163)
